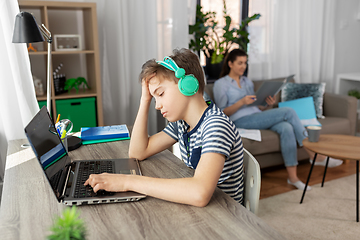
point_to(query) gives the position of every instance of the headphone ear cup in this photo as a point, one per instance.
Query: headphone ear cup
(188, 85)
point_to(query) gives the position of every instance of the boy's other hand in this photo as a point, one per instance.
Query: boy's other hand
(106, 181)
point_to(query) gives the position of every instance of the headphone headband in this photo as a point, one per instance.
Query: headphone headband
(188, 84)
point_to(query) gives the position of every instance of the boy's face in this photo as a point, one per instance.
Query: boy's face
(168, 99)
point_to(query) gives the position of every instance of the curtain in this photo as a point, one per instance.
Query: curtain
(17, 94)
(293, 37)
(130, 33)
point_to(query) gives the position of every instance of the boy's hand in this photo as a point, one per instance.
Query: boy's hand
(249, 99)
(106, 181)
(145, 92)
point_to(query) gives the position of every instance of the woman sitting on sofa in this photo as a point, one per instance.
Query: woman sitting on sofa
(233, 92)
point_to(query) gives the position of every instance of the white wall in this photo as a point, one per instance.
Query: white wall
(347, 37)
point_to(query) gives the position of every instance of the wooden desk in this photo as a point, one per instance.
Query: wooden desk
(28, 214)
(337, 146)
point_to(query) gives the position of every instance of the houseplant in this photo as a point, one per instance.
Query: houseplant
(68, 226)
(355, 93)
(216, 41)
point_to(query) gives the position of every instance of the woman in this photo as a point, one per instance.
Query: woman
(233, 92)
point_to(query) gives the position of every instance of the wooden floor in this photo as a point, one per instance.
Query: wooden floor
(274, 181)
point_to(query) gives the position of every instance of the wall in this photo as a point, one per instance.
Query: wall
(347, 37)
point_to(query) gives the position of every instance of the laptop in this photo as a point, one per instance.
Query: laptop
(269, 88)
(67, 177)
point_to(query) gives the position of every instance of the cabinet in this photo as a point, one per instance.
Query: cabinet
(69, 18)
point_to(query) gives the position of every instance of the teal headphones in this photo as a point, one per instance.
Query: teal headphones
(188, 84)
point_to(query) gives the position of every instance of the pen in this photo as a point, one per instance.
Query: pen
(58, 118)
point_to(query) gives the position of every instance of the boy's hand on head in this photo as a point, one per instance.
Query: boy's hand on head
(145, 92)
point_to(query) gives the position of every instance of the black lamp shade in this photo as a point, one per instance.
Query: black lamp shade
(26, 29)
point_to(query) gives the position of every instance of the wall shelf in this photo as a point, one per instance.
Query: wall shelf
(68, 18)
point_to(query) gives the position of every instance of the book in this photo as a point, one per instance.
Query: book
(269, 88)
(104, 132)
(103, 140)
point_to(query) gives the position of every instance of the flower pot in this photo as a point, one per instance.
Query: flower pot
(212, 71)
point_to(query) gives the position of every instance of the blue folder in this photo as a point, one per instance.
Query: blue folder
(305, 109)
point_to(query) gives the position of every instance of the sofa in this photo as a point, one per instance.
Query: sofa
(340, 118)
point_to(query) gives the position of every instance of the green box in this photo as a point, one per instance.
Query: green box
(80, 111)
(41, 104)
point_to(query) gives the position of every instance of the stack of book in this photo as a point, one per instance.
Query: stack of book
(91, 135)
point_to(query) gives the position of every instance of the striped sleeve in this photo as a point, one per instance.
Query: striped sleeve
(218, 136)
(172, 130)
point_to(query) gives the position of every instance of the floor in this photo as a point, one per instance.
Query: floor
(273, 181)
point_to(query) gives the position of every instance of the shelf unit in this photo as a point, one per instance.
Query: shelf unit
(68, 18)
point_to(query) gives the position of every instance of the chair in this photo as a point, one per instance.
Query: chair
(252, 181)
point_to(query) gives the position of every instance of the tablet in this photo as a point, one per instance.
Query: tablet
(269, 88)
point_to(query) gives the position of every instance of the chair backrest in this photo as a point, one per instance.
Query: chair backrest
(252, 182)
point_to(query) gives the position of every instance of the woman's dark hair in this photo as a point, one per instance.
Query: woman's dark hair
(231, 57)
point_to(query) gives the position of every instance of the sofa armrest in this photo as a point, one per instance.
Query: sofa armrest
(343, 106)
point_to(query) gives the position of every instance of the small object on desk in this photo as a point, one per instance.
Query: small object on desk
(58, 118)
(73, 143)
(104, 132)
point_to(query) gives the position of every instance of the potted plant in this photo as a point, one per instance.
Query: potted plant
(216, 41)
(68, 226)
(355, 93)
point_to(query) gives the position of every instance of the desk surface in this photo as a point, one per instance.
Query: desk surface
(28, 213)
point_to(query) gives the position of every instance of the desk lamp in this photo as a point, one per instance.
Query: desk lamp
(26, 30)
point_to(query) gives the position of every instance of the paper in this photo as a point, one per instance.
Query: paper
(253, 134)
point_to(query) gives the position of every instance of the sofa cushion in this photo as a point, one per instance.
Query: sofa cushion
(270, 142)
(335, 125)
(293, 91)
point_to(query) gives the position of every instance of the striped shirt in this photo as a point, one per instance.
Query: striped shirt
(217, 134)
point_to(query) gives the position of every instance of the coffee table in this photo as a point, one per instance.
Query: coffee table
(335, 146)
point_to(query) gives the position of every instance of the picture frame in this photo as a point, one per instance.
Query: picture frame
(67, 42)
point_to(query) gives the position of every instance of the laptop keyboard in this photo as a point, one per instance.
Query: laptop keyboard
(87, 168)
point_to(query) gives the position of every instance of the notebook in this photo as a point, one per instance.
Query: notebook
(269, 88)
(104, 132)
(67, 177)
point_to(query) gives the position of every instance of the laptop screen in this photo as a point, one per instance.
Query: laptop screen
(48, 148)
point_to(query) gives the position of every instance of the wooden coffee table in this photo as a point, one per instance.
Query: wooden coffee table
(336, 146)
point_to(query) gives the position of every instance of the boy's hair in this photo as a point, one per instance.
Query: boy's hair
(185, 59)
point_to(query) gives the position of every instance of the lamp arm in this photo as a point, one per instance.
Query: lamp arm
(46, 33)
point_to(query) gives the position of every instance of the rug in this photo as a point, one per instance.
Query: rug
(327, 212)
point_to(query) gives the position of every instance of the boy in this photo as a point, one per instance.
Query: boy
(209, 141)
